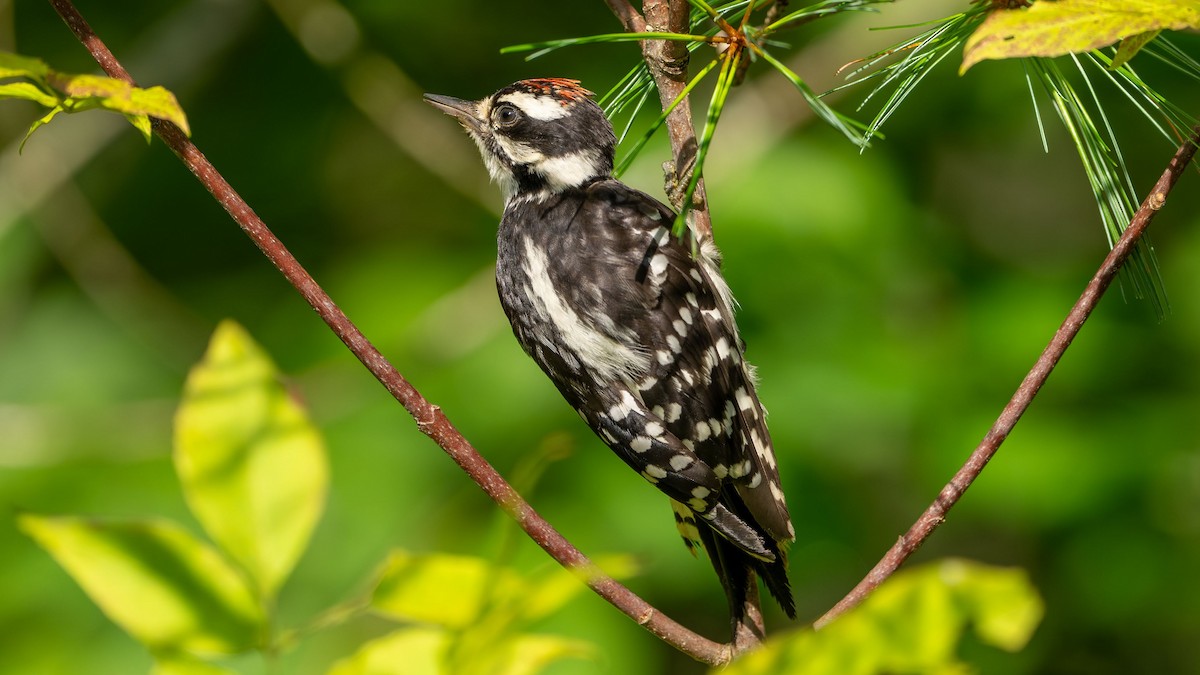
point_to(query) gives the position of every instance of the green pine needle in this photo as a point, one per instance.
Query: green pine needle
(820, 9)
(1104, 166)
(1085, 117)
(922, 54)
(725, 78)
(623, 165)
(540, 49)
(835, 119)
(708, 20)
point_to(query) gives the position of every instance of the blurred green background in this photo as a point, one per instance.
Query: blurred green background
(891, 300)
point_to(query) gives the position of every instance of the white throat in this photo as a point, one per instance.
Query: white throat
(560, 172)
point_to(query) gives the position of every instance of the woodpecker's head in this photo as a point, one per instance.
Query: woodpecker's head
(534, 135)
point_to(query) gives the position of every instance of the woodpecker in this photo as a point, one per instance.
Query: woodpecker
(633, 324)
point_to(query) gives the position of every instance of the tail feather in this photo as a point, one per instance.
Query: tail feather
(738, 570)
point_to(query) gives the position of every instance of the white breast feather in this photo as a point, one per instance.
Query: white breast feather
(608, 358)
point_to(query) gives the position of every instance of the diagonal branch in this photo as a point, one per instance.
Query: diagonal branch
(429, 417)
(935, 515)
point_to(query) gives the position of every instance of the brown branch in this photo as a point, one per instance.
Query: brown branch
(935, 515)
(668, 65)
(630, 18)
(429, 417)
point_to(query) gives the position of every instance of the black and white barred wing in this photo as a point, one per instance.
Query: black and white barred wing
(756, 478)
(696, 389)
(713, 374)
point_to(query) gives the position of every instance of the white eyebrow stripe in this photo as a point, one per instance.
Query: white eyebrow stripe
(537, 107)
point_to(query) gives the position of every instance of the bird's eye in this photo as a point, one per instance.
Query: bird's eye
(507, 115)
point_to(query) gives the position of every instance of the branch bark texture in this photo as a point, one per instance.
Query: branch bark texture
(668, 65)
(429, 417)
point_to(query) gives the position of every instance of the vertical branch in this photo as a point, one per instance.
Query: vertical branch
(668, 64)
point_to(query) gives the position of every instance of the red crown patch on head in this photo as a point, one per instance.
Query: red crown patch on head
(561, 88)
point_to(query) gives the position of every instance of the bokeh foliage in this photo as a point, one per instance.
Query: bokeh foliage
(891, 301)
(254, 472)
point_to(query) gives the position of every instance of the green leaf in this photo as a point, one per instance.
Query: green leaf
(15, 65)
(1073, 26)
(1002, 604)
(142, 124)
(911, 624)
(481, 606)
(662, 118)
(164, 587)
(180, 664)
(820, 9)
(530, 654)
(1130, 46)
(252, 465)
(444, 590)
(425, 650)
(89, 86)
(725, 80)
(411, 651)
(28, 91)
(112, 94)
(154, 102)
(86, 92)
(548, 593)
(38, 123)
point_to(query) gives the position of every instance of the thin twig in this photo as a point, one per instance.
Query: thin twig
(430, 419)
(935, 515)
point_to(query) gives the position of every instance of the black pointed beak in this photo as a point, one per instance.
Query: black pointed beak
(465, 111)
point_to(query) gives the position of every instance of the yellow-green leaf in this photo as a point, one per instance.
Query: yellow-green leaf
(85, 92)
(155, 102)
(28, 91)
(15, 65)
(142, 124)
(38, 123)
(530, 654)
(548, 592)
(913, 623)
(1130, 46)
(180, 664)
(253, 467)
(166, 588)
(425, 651)
(1073, 26)
(1000, 603)
(411, 651)
(440, 589)
(121, 96)
(89, 86)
